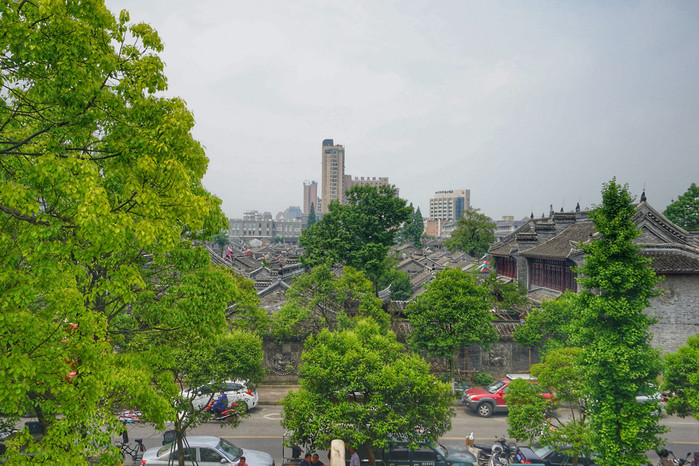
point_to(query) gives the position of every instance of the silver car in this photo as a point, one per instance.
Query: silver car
(206, 451)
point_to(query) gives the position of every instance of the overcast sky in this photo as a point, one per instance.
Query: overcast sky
(526, 104)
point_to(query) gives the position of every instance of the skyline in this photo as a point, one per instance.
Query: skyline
(526, 106)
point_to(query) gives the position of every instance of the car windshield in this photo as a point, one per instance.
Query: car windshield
(495, 386)
(540, 450)
(441, 449)
(229, 450)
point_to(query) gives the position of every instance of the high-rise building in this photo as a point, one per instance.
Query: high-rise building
(450, 205)
(333, 174)
(310, 196)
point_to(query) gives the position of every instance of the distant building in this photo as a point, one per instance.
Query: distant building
(264, 228)
(310, 197)
(507, 225)
(291, 213)
(335, 182)
(449, 205)
(333, 173)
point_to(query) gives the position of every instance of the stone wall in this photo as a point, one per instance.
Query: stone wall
(282, 360)
(678, 310)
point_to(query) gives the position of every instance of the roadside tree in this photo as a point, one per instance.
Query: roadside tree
(473, 234)
(100, 186)
(530, 415)
(618, 361)
(549, 327)
(681, 379)
(320, 299)
(454, 311)
(412, 229)
(361, 386)
(685, 210)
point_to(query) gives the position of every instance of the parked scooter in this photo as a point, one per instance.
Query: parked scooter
(668, 458)
(494, 455)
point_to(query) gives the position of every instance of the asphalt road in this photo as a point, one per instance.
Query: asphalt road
(262, 431)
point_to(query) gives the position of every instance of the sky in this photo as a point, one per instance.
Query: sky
(526, 104)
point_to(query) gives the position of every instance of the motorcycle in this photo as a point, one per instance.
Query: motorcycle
(668, 458)
(227, 414)
(495, 455)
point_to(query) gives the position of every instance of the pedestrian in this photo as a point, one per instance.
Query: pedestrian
(316, 460)
(354, 458)
(242, 462)
(306, 460)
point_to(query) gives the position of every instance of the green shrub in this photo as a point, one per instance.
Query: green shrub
(481, 379)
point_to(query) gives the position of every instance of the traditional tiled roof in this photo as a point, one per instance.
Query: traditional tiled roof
(508, 244)
(539, 295)
(673, 259)
(563, 245)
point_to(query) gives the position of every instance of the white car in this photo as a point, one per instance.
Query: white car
(206, 451)
(236, 391)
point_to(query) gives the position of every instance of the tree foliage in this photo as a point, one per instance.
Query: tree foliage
(311, 217)
(530, 416)
(361, 386)
(320, 299)
(100, 199)
(473, 235)
(412, 229)
(549, 327)
(685, 210)
(401, 288)
(618, 361)
(358, 234)
(681, 379)
(454, 311)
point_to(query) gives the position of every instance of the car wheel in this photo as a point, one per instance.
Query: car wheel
(484, 410)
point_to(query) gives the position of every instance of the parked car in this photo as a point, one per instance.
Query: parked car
(484, 401)
(237, 391)
(206, 451)
(539, 454)
(426, 454)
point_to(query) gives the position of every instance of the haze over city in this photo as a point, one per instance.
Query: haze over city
(525, 104)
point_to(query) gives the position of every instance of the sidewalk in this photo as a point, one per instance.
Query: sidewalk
(272, 394)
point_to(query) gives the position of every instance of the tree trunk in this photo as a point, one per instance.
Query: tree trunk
(451, 371)
(370, 451)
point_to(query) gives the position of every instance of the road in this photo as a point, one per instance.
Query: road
(262, 431)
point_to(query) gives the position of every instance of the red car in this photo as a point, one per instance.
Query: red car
(484, 401)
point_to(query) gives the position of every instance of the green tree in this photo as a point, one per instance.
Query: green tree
(473, 234)
(401, 288)
(221, 240)
(311, 217)
(681, 378)
(100, 187)
(412, 229)
(454, 311)
(361, 386)
(549, 327)
(358, 234)
(530, 416)
(618, 361)
(320, 299)
(685, 210)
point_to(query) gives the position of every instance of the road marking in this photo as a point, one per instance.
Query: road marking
(276, 416)
(252, 436)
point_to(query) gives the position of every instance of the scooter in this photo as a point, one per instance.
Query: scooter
(227, 414)
(498, 453)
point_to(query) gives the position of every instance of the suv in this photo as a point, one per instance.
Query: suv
(487, 400)
(426, 454)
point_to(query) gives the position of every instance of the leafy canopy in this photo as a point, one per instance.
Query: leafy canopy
(681, 377)
(358, 234)
(618, 361)
(473, 235)
(549, 327)
(361, 386)
(321, 299)
(100, 199)
(685, 210)
(530, 417)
